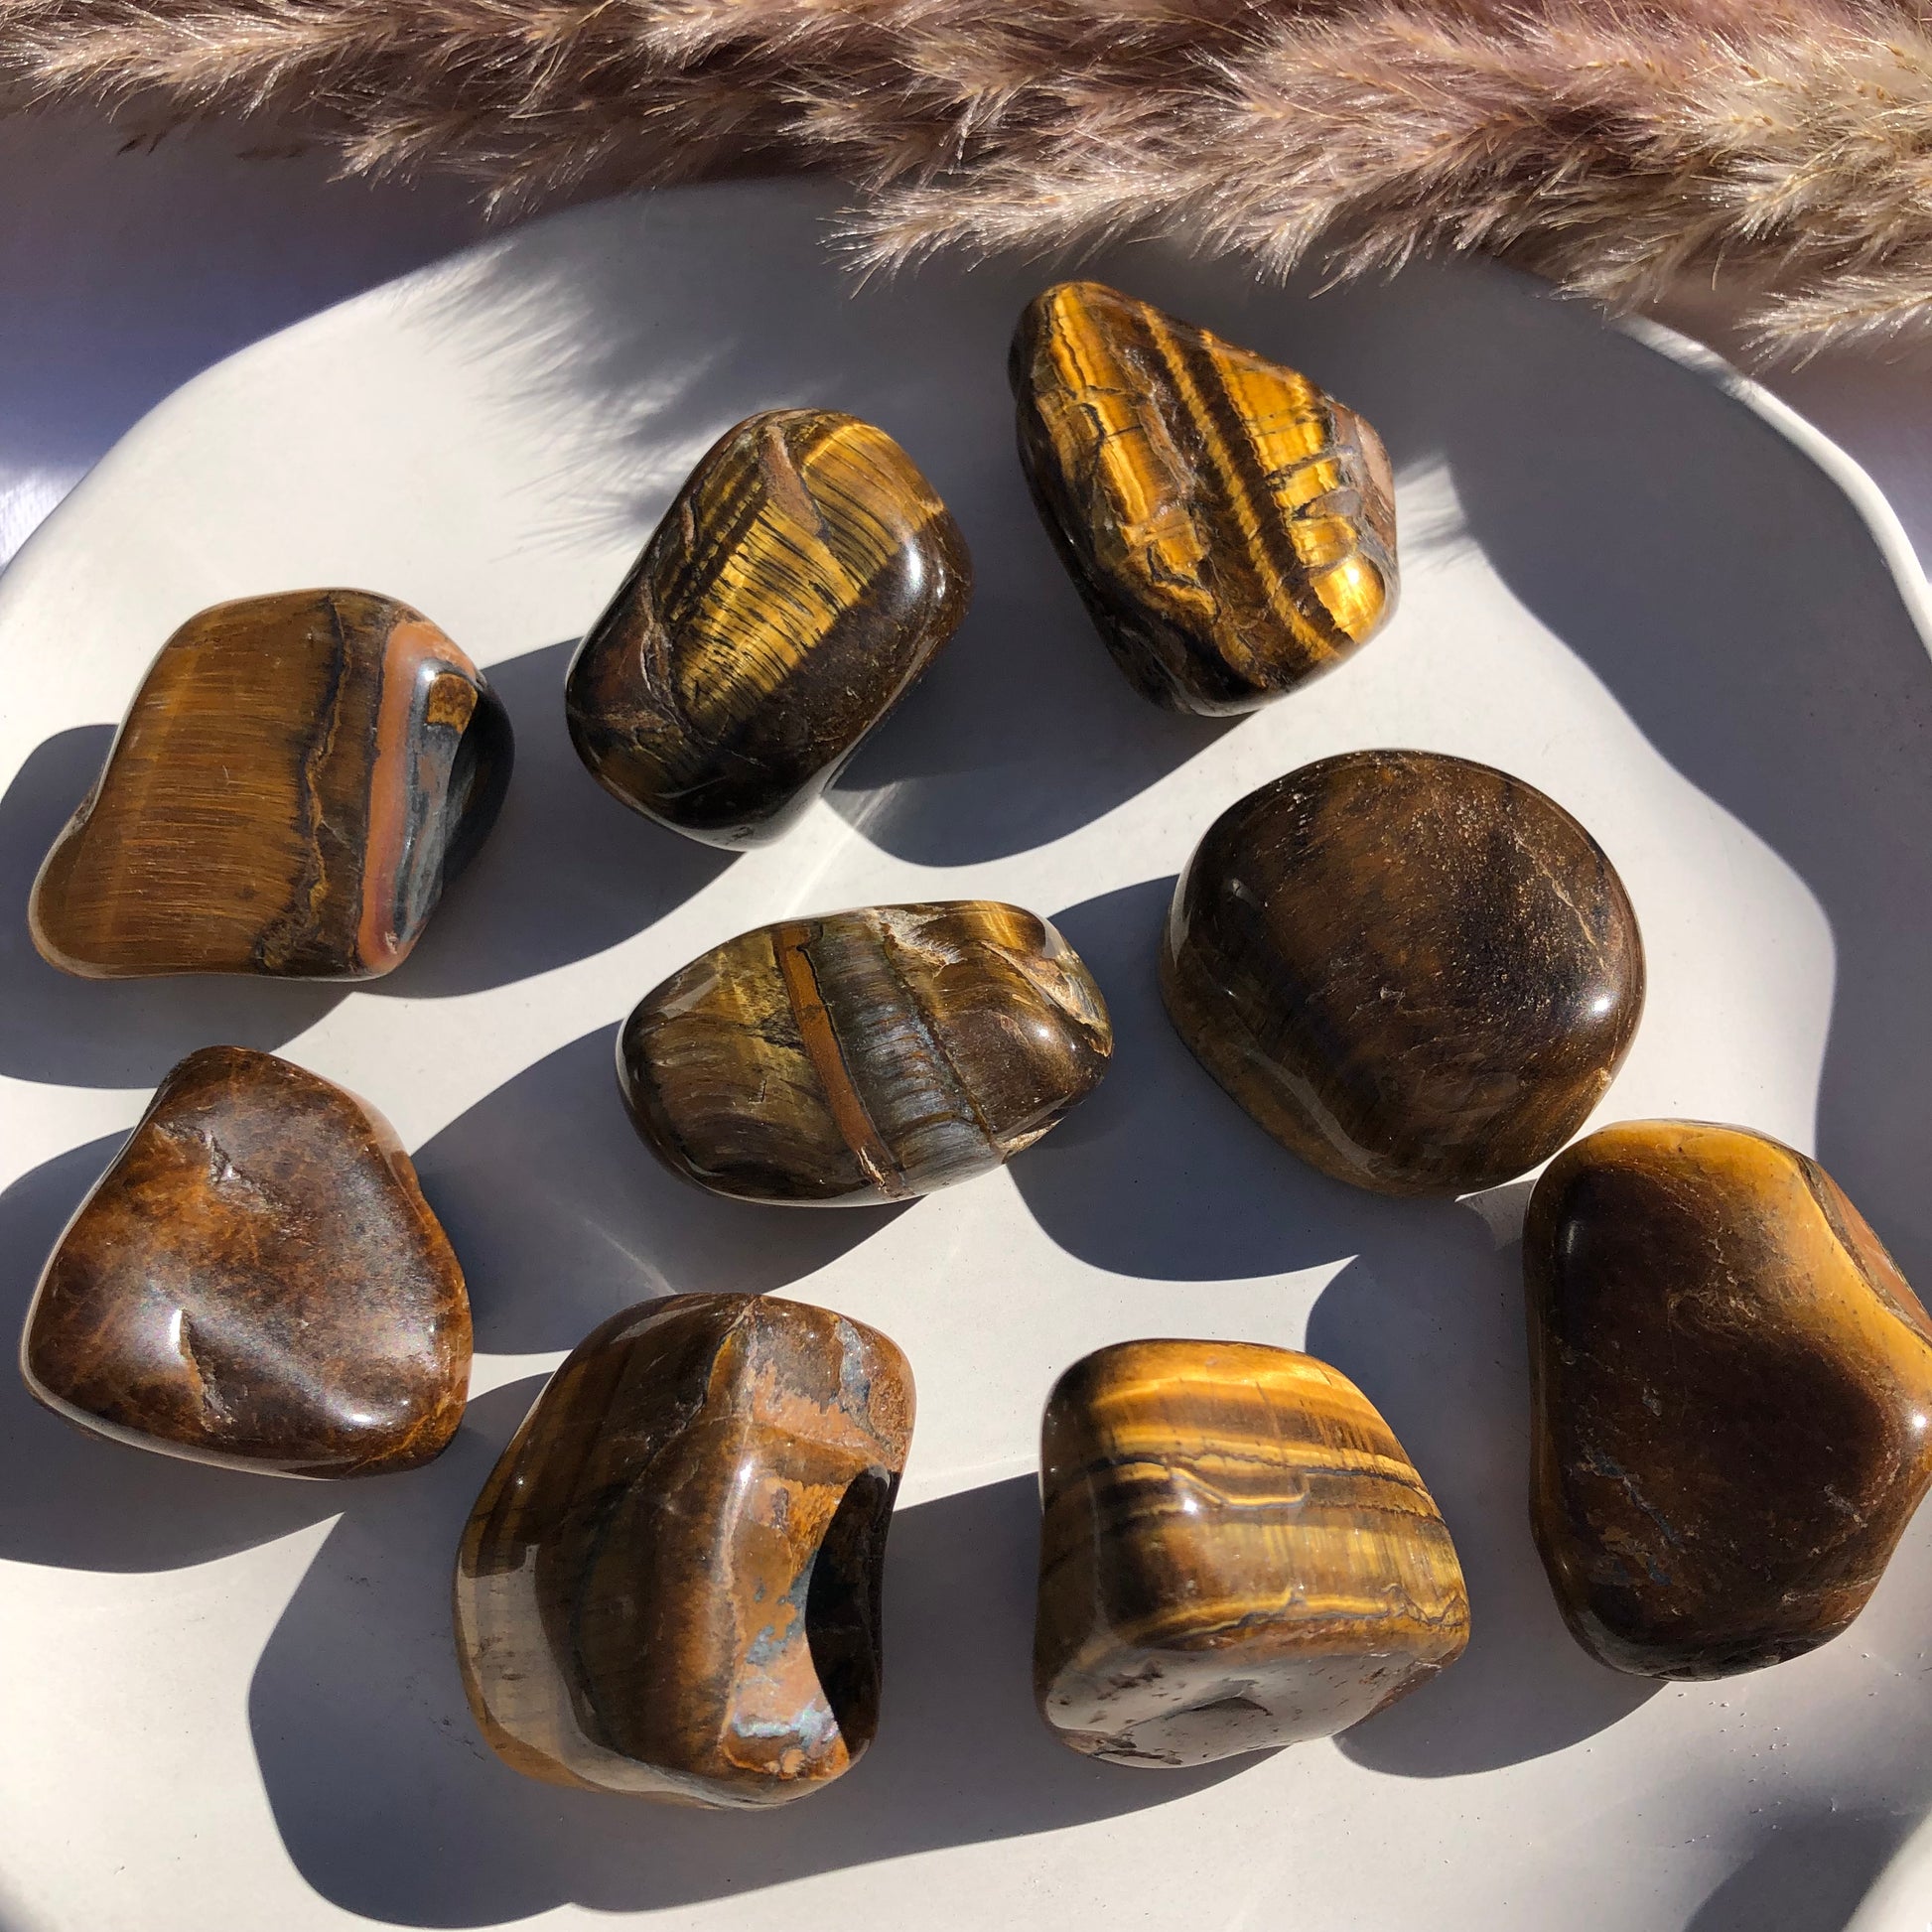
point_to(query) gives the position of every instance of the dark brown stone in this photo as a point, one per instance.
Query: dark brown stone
(1731, 1384)
(1417, 972)
(258, 1282)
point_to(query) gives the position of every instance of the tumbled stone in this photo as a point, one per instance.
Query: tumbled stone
(1235, 1553)
(671, 1585)
(1730, 1383)
(864, 1057)
(800, 583)
(297, 780)
(1230, 527)
(1417, 972)
(257, 1281)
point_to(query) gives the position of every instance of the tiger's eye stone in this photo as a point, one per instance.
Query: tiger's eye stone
(1730, 1384)
(670, 1584)
(864, 1057)
(796, 589)
(1417, 972)
(1230, 527)
(297, 780)
(1235, 1553)
(257, 1281)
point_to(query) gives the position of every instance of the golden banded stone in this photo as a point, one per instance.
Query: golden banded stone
(794, 591)
(1230, 526)
(1235, 1553)
(864, 1057)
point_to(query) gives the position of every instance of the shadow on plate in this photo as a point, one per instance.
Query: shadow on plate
(1805, 1876)
(1161, 1174)
(392, 1805)
(1741, 611)
(71, 1032)
(647, 329)
(1439, 1352)
(562, 1216)
(1158, 1174)
(566, 871)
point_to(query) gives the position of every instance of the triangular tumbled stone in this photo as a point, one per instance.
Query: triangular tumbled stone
(256, 1280)
(1230, 526)
(297, 780)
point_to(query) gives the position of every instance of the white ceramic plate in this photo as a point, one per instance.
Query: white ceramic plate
(229, 1704)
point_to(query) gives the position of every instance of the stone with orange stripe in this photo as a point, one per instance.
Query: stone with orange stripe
(864, 1057)
(297, 778)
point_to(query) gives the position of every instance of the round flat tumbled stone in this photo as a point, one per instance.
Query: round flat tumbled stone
(798, 587)
(1731, 1385)
(257, 1281)
(1417, 972)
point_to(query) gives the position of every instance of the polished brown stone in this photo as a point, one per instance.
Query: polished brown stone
(256, 1280)
(671, 1585)
(1230, 526)
(864, 1057)
(1235, 1553)
(297, 780)
(1417, 972)
(799, 584)
(1731, 1385)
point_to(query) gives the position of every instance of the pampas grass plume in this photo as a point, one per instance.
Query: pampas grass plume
(1613, 145)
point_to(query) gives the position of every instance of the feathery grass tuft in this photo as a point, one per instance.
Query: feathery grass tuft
(1611, 144)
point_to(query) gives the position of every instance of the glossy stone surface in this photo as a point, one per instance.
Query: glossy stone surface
(1417, 972)
(1235, 1553)
(1230, 526)
(257, 1281)
(297, 780)
(864, 1057)
(796, 588)
(1730, 1384)
(670, 1584)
